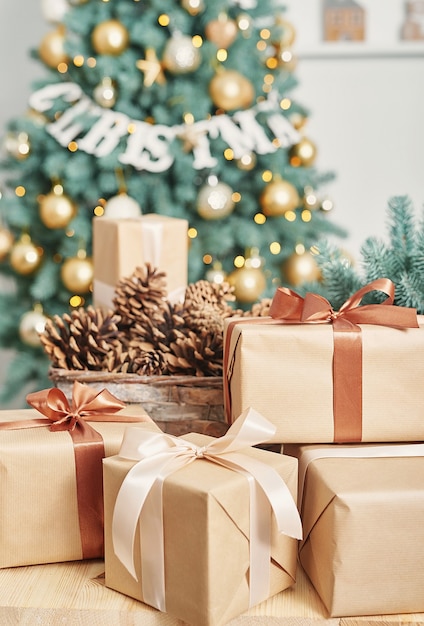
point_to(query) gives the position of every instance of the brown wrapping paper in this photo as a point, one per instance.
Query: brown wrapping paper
(119, 246)
(284, 371)
(363, 528)
(38, 498)
(206, 529)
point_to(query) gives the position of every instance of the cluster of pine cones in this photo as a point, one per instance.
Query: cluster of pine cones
(144, 333)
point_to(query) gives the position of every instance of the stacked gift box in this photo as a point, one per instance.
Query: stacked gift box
(344, 390)
(205, 528)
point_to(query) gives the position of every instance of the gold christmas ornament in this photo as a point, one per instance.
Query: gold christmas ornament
(56, 208)
(286, 60)
(278, 197)
(6, 242)
(300, 268)
(52, 48)
(17, 144)
(31, 325)
(248, 282)
(25, 257)
(180, 56)
(303, 153)
(288, 33)
(247, 162)
(105, 93)
(214, 201)
(193, 7)
(222, 32)
(110, 37)
(310, 199)
(231, 90)
(216, 274)
(77, 273)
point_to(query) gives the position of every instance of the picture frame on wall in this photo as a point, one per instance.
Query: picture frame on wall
(357, 27)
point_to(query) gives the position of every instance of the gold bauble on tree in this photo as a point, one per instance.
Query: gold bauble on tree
(52, 48)
(105, 93)
(25, 257)
(300, 268)
(17, 144)
(231, 90)
(193, 7)
(222, 32)
(180, 55)
(31, 325)
(248, 282)
(6, 242)
(214, 201)
(303, 153)
(110, 37)
(278, 197)
(216, 274)
(287, 35)
(77, 273)
(56, 208)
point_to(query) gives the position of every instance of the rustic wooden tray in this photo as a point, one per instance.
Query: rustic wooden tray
(178, 404)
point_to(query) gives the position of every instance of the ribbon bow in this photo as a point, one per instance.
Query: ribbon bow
(96, 406)
(158, 456)
(288, 305)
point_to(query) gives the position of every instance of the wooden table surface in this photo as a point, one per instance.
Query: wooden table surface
(74, 594)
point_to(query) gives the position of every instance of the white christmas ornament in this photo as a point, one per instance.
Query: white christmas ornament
(54, 10)
(122, 206)
(32, 324)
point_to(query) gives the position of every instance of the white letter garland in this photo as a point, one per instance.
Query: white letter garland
(147, 147)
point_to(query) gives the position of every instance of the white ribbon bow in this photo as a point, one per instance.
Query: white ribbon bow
(158, 456)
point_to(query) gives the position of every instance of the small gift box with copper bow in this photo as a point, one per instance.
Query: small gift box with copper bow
(51, 491)
(324, 376)
(201, 528)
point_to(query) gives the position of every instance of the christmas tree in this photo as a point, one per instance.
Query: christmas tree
(177, 107)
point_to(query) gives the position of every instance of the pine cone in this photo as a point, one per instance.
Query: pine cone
(157, 330)
(206, 306)
(259, 309)
(196, 354)
(81, 340)
(147, 362)
(139, 295)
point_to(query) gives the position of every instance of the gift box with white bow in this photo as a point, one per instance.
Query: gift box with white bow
(201, 528)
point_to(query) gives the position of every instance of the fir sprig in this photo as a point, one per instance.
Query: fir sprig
(399, 258)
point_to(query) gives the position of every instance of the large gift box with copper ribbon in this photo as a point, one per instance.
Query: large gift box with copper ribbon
(201, 528)
(329, 376)
(122, 245)
(362, 509)
(51, 492)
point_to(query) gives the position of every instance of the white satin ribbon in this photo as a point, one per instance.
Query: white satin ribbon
(152, 237)
(353, 452)
(158, 456)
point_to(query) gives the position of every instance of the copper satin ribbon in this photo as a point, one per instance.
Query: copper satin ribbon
(157, 456)
(86, 404)
(288, 307)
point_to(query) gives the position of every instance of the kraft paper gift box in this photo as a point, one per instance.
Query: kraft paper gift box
(204, 556)
(332, 378)
(122, 245)
(363, 526)
(48, 513)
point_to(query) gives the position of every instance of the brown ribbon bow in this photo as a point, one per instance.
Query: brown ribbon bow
(60, 415)
(289, 307)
